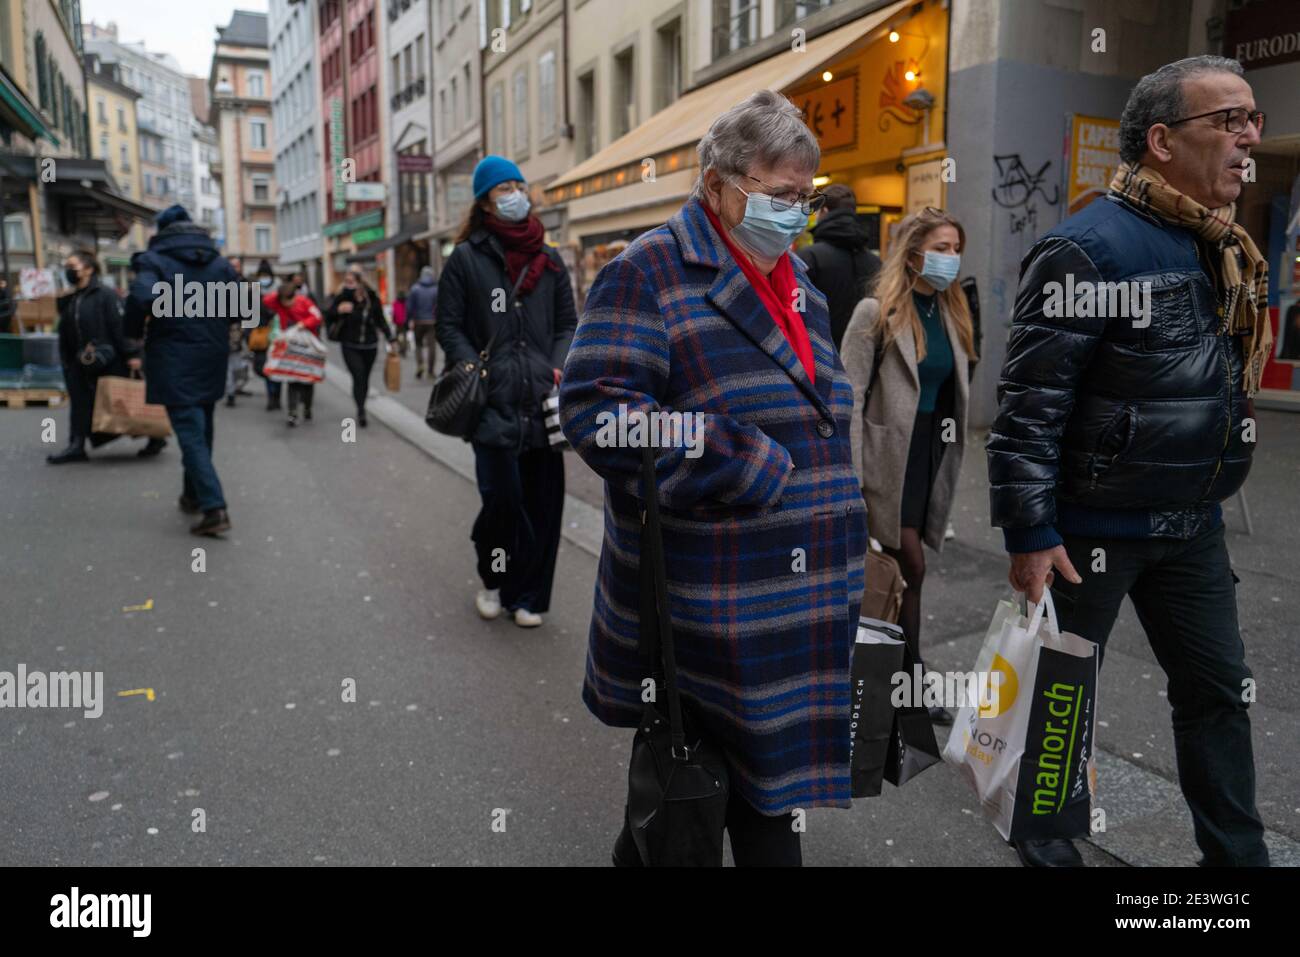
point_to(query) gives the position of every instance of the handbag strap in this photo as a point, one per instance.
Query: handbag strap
(486, 352)
(656, 619)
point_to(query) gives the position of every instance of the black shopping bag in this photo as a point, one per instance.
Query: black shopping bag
(1054, 780)
(877, 657)
(912, 746)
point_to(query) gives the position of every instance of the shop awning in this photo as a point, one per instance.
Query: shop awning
(87, 201)
(685, 121)
(371, 250)
(20, 113)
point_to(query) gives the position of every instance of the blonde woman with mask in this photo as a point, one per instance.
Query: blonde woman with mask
(907, 349)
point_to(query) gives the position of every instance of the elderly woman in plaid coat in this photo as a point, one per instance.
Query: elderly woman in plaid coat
(764, 524)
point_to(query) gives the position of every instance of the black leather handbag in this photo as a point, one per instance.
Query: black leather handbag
(677, 782)
(460, 393)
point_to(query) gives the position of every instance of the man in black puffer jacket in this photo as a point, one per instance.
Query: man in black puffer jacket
(1124, 421)
(186, 355)
(839, 262)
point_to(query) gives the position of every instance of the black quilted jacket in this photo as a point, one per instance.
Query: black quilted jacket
(1124, 425)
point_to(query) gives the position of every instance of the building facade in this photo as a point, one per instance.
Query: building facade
(239, 86)
(296, 117)
(410, 126)
(114, 139)
(526, 105)
(457, 35)
(354, 131)
(54, 197)
(163, 115)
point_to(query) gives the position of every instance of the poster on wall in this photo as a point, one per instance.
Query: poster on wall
(1091, 160)
(925, 185)
(34, 283)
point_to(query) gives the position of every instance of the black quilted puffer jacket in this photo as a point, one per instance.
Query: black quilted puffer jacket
(1125, 424)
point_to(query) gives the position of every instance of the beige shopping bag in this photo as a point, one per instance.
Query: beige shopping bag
(120, 409)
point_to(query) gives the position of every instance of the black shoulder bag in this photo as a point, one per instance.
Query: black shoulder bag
(677, 792)
(460, 393)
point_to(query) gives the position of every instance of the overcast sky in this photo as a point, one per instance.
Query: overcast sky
(187, 29)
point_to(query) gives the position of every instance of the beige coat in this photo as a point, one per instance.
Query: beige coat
(882, 428)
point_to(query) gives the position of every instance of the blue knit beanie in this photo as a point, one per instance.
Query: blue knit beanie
(493, 171)
(172, 214)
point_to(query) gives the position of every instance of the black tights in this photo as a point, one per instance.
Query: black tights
(911, 562)
(359, 363)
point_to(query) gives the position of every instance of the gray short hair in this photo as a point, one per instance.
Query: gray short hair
(1158, 98)
(766, 129)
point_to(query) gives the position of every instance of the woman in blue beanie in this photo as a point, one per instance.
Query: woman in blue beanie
(503, 286)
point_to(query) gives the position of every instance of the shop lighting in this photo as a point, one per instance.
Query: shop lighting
(820, 181)
(893, 36)
(828, 76)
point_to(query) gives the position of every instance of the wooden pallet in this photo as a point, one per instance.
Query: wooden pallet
(19, 398)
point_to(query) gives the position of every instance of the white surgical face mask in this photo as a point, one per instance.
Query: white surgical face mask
(940, 269)
(513, 206)
(764, 231)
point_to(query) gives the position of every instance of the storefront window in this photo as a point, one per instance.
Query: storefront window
(735, 25)
(792, 11)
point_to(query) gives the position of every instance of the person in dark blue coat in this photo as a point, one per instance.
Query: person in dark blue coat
(186, 353)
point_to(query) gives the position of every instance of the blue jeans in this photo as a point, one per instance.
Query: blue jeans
(193, 427)
(1185, 595)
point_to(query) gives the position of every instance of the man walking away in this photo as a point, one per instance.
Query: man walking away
(186, 355)
(1121, 427)
(421, 313)
(839, 262)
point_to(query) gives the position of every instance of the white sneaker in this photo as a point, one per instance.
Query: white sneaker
(527, 619)
(488, 603)
(949, 532)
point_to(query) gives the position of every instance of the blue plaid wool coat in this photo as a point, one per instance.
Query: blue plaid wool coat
(763, 636)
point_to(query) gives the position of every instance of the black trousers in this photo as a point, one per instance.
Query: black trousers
(517, 532)
(1186, 598)
(81, 401)
(301, 393)
(756, 839)
(359, 363)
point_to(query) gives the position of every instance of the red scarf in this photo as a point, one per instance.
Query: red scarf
(522, 242)
(777, 292)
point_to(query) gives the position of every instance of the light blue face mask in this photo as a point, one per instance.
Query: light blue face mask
(514, 206)
(766, 232)
(940, 269)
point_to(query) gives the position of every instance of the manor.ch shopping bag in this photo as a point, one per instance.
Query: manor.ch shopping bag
(1027, 746)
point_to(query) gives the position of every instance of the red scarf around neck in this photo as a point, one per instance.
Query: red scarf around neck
(522, 242)
(777, 293)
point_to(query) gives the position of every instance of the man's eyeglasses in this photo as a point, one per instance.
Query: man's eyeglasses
(781, 201)
(1235, 119)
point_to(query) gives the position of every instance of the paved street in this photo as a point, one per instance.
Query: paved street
(352, 561)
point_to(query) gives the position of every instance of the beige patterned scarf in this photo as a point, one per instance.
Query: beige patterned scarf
(1244, 298)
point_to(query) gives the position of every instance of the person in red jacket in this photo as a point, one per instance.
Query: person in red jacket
(295, 309)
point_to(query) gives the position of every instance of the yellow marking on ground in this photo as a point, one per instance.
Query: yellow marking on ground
(147, 692)
(147, 606)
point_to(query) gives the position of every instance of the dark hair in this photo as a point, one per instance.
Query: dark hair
(287, 289)
(87, 258)
(839, 196)
(1158, 98)
(264, 268)
(473, 222)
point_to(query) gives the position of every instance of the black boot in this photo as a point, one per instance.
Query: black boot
(153, 447)
(273, 403)
(188, 505)
(1057, 852)
(214, 522)
(75, 452)
(361, 418)
(230, 401)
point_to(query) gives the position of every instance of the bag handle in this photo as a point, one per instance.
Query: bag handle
(1036, 618)
(660, 629)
